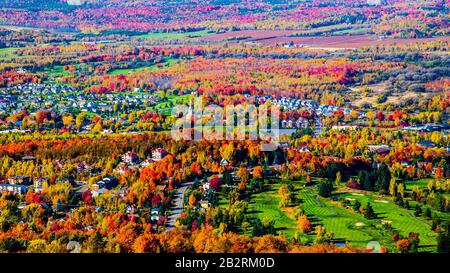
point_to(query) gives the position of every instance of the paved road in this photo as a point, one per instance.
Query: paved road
(319, 128)
(178, 205)
(83, 186)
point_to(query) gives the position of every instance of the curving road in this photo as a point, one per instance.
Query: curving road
(178, 206)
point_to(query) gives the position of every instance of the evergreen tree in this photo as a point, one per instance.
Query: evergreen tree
(326, 188)
(435, 222)
(407, 206)
(383, 178)
(427, 213)
(369, 213)
(418, 211)
(399, 200)
(443, 240)
(227, 179)
(356, 206)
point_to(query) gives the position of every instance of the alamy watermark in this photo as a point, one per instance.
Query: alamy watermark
(232, 122)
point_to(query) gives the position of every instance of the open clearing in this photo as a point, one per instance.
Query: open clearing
(174, 35)
(358, 99)
(274, 37)
(166, 63)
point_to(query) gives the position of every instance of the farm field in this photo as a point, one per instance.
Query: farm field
(343, 41)
(340, 41)
(174, 35)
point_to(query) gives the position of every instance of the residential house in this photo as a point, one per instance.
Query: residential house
(109, 183)
(379, 149)
(39, 182)
(204, 204)
(16, 189)
(155, 214)
(29, 158)
(121, 169)
(145, 163)
(130, 158)
(224, 162)
(83, 167)
(206, 187)
(99, 192)
(19, 180)
(304, 149)
(69, 180)
(158, 154)
(427, 144)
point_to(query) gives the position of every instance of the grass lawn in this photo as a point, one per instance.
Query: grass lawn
(57, 70)
(6, 53)
(403, 220)
(266, 205)
(174, 35)
(335, 219)
(345, 224)
(165, 108)
(166, 63)
(422, 183)
(351, 30)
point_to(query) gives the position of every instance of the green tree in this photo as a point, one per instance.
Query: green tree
(383, 178)
(443, 240)
(326, 188)
(369, 213)
(356, 206)
(418, 211)
(338, 179)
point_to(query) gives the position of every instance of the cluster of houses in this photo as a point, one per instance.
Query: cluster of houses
(292, 104)
(86, 168)
(22, 184)
(426, 128)
(108, 183)
(291, 44)
(67, 99)
(16, 184)
(131, 160)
